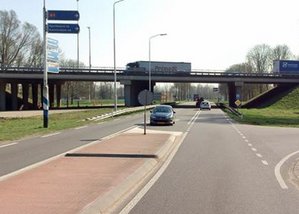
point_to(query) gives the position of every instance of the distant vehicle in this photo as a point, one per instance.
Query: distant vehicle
(158, 67)
(198, 102)
(205, 105)
(286, 66)
(162, 114)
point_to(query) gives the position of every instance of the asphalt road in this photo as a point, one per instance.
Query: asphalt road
(222, 167)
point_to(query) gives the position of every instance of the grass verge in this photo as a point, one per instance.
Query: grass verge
(16, 128)
(268, 117)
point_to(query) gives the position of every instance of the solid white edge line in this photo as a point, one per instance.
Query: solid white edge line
(11, 144)
(277, 170)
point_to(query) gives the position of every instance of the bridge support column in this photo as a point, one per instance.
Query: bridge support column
(132, 89)
(2, 96)
(51, 95)
(234, 93)
(34, 89)
(58, 94)
(25, 92)
(14, 96)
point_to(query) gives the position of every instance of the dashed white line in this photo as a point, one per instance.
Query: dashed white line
(249, 144)
(50, 135)
(253, 149)
(246, 140)
(11, 144)
(81, 127)
(265, 162)
(259, 155)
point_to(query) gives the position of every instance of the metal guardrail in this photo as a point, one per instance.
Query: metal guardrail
(109, 70)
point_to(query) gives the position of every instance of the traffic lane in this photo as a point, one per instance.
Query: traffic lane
(33, 150)
(280, 147)
(215, 172)
(182, 118)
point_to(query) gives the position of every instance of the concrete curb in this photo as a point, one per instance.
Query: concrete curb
(117, 196)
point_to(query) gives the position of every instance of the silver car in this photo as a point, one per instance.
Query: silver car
(205, 105)
(162, 114)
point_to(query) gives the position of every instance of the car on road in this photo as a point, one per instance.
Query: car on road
(162, 115)
(205, 105)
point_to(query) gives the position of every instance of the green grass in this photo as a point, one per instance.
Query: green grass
(16, 128)
(284, 112)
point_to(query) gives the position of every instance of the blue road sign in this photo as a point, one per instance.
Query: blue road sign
(63, 28)
(71, 15)
(53, 56)
(52, 44)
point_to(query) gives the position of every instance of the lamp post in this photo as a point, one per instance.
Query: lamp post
(149, 60)
(114, 55)
(78, 57)
(89, 44)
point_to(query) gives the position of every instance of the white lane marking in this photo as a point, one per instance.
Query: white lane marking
(265, 162)
(253, 149)
(153, 180)
(277, 170)
(246, 140)
(194, 117)
(259, 155)
(243, 137)
(50, 135)
(81, 127)
(249, 144)
(11, 144)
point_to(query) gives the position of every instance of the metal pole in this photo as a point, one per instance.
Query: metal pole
(89, 96)
(78, 55)
(114, 56)
(45, 88)
(149, 60)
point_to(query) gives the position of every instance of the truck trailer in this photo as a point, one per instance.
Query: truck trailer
(158, 67)
(286, 66)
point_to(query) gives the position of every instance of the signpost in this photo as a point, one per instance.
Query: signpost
(51, 55)
(145, 97)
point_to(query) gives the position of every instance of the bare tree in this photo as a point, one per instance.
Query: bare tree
(260, 58)
(15, 39)
(282, 52)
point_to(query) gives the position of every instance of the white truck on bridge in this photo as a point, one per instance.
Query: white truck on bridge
(159, 67)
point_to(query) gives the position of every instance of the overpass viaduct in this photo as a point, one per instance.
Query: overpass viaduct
(133, 82)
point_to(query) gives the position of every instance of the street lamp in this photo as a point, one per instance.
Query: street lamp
(149, 60)
(114, 55)
(78, 57)
(89, 97)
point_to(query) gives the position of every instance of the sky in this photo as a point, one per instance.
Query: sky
(211, 34)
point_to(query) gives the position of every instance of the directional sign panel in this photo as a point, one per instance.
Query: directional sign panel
(70, 15)
(63, 28)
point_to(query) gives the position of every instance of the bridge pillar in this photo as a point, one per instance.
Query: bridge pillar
(25, 92)
(14, 96)
(2, 96)
(132, 89)
(51, 95)
(58, 94)
(34, 89)
(234, 93)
